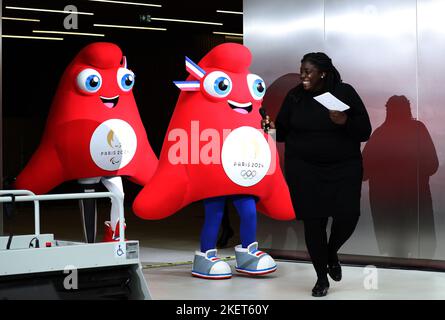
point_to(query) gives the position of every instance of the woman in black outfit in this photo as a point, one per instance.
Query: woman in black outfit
(323, 162)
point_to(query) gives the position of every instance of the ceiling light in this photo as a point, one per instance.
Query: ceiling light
(20, 19)
(187, 21)
(29, 37)
(50, 10)
(129, 3)
(69, 32)
(232, 12)
(229, 34)
(127, 27)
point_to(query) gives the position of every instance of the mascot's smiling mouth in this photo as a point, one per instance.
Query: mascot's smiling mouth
(110, 102)
(243, 108)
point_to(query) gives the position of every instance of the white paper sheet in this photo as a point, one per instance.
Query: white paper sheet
(331, 102)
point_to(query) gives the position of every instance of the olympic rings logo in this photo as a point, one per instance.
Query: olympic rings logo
(248, 174)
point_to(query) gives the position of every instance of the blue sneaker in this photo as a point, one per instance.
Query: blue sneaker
(252, 261)
(208, 266)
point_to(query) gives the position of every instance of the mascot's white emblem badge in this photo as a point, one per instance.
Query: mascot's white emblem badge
(246, 156)
(113, 144)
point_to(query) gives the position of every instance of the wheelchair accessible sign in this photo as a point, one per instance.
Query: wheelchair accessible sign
(119, 250)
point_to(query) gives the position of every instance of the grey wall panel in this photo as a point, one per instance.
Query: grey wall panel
(431, 48)
(387, 51)
(280, 32)
(373, 43)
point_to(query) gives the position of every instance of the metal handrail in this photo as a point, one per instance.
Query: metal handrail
(36, 206)
(66, 196)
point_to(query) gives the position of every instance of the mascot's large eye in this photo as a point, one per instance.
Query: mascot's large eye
(89, 80)
(125, 79)
(256, 85)
(218, 84)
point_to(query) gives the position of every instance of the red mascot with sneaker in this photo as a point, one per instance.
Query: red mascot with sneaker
(94, 131)
(215, 150)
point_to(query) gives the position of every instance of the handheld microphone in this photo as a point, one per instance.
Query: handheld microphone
(264, 115)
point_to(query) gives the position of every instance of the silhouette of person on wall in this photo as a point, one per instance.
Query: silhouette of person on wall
(399, 160)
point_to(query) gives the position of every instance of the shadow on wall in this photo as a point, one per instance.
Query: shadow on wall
(272, 231)
(399, 160)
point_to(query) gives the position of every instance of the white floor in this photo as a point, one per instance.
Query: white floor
(167, 248)
(292, 281)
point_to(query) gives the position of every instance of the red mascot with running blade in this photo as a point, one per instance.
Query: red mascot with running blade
(93, 132)
(215, 151)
